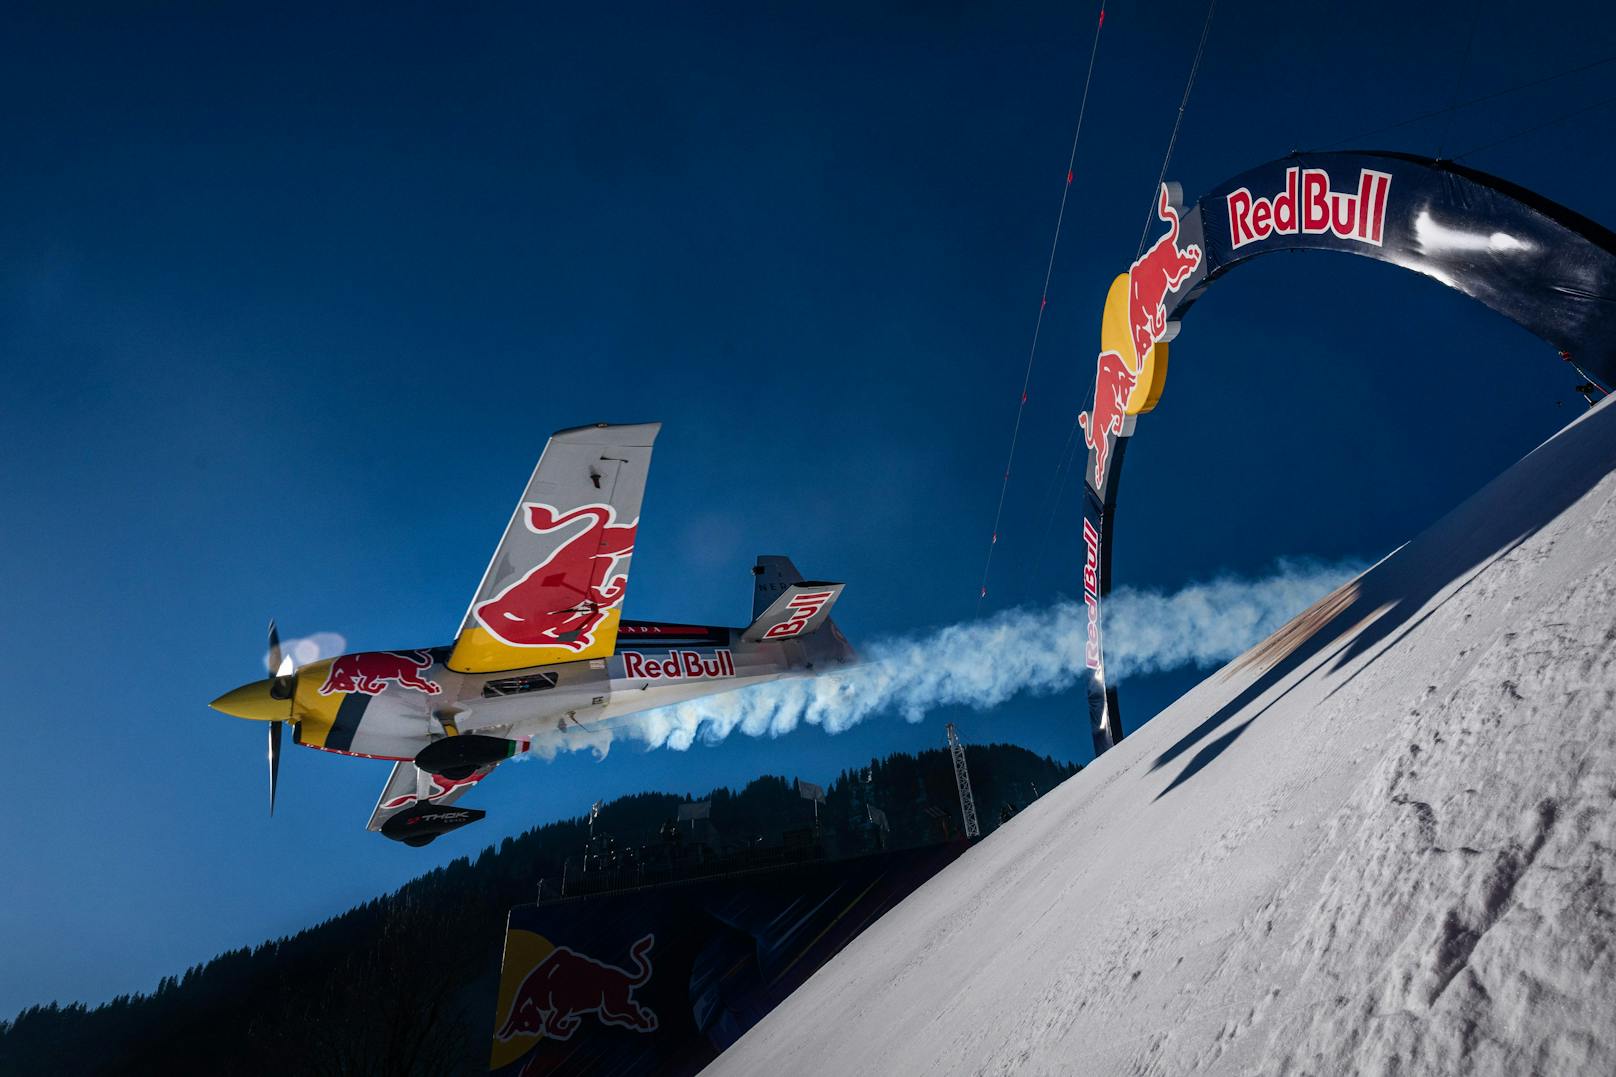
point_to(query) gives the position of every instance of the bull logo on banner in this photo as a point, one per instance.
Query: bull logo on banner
(1127, 376)
(567, 986)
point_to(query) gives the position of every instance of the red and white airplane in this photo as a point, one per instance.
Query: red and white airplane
(543, 649)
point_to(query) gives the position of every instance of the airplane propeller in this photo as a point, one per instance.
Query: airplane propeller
(274, 761)
(280, 687)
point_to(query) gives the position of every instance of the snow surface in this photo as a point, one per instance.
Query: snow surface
(1379, 842)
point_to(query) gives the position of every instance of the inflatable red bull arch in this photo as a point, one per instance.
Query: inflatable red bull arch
(1540, 264)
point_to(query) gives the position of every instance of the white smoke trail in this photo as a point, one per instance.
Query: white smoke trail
(305, 649)
(981, 664)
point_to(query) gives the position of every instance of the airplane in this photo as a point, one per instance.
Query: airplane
(542, 651)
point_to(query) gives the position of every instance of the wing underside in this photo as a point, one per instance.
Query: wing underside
(409, 785)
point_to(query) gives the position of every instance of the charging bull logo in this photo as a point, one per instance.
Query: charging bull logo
(567, 985)
(1160, 270)
(563, 599)
(1113, 384)
(440, 787)
(369, 672)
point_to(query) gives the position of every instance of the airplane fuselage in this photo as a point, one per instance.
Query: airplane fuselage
(391, 704)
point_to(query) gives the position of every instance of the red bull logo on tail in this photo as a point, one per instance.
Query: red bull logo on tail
(371, 672)
(567, 986)
(1113, 383)
(561, 601)
(804, 608)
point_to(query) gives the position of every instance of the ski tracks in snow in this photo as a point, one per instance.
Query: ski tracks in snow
(1470, 904)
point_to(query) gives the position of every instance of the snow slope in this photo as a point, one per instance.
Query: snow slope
(1380, 842)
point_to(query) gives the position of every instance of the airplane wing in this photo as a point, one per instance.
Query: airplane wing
(408, 786)
(554, 588)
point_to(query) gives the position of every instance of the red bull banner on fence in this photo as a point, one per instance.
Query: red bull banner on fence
(661, 980)
(1546, 267)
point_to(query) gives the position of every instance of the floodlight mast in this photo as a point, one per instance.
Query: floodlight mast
(815, 793)
(962, 778)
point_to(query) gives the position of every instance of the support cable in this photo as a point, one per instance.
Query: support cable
(1053, 496)
(1458, 81)
(1195, 69)
(1536, 127)
(1068, 457)
(1043, 301)
(1586, 377)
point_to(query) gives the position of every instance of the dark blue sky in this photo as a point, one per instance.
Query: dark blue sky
(291, 298)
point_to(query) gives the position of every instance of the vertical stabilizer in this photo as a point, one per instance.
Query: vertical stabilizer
(770, 578)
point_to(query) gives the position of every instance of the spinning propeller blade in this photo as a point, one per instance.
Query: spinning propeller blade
(284, 684)
(274, 649)
(274, 761)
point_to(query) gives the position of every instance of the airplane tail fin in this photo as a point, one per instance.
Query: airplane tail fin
(770, 576)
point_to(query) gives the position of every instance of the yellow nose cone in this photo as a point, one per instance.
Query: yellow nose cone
(254, 701)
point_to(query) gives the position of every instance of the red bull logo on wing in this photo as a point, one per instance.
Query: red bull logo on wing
(371, 672)
(441, 787)
(561, 601)
(567, 986)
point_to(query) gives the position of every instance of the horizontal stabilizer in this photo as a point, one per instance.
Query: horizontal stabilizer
(801, 608)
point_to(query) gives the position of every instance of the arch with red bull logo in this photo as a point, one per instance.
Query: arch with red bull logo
(1545, 267)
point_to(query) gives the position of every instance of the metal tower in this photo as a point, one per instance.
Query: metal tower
(962, 778)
